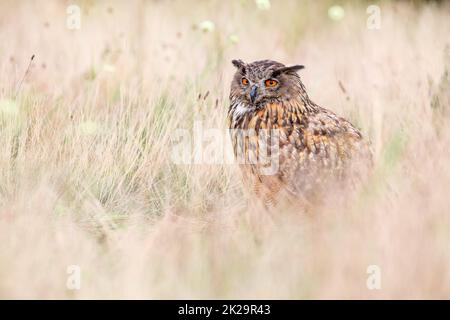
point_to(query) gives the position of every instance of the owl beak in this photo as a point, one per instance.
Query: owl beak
(253, 93)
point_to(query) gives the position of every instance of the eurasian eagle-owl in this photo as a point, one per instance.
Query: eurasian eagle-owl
(273, 121)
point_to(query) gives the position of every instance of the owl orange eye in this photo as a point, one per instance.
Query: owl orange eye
(244, 81)
(271, 83)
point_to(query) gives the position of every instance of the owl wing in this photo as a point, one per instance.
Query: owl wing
(315, 148)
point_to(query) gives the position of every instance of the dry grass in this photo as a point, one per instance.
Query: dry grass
(86, 175)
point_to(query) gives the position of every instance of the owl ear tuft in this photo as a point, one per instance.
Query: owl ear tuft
(238, 64)
(287, 70)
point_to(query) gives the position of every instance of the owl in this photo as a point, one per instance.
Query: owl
(287, 146)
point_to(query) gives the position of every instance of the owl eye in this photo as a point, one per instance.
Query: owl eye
(271, 83)
(244, 81)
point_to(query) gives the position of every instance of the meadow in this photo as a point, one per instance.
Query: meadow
(89, 187)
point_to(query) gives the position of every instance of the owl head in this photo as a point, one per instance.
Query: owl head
(264, 81)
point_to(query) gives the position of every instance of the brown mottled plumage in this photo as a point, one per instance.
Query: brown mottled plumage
(287, 144)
